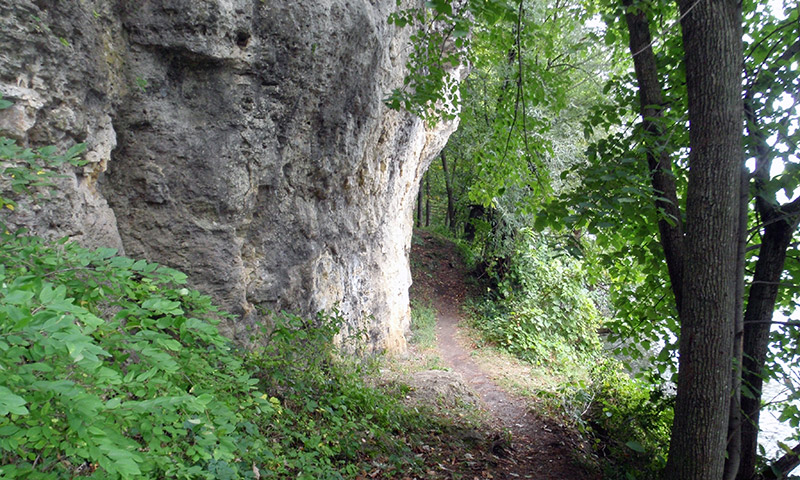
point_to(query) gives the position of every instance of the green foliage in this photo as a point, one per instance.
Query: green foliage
(440, 43)
(330, 418)
(628, 423)
(541, 309)
(111, 366)
(533, 71)
(467, 254)
(423, 323)
(28, 172)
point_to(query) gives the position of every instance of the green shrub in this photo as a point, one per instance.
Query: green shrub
(109, 365)
(111, 368)
(629, 423)
(541, 311)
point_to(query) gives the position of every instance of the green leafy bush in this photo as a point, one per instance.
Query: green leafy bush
(628, 421)
(541, 311)
(111, 366)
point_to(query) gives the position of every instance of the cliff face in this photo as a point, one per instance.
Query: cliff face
(244, 142)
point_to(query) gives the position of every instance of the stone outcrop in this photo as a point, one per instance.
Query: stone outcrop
(244, 142)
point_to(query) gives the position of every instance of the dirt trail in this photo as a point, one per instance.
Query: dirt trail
(541, 448)
(508, 410)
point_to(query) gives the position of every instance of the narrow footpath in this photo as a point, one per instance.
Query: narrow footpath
(539, 448)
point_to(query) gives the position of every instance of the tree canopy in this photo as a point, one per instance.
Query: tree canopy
(665, 136)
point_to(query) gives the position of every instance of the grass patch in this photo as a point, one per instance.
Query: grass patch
(423, 325)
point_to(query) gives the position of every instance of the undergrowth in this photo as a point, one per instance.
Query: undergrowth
(627, 421)
(539, 309)
(112, 368)
(423, 325)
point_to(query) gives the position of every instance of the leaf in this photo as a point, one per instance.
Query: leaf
(18, 297)
(11, 403)
(75, 150)
(441, 6)
(125, 462)
(106, 252)
(635, 446)
(47, 294)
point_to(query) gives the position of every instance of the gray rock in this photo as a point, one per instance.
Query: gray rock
(245, 143)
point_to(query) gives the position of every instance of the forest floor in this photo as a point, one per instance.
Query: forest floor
(520, 440)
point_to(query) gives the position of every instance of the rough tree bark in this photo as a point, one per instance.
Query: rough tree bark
(712, 37)
(777, 236)
(734, 446)
(750, 328)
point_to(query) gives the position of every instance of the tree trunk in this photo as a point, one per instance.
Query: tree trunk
(734, 447)
(779, 224)
(670, 225)
(428, 199)
(419, 202)
(784, 466)
(757, 323)
(712, 37)
(448, 185)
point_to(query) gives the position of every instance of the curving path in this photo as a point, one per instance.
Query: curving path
(540, 447)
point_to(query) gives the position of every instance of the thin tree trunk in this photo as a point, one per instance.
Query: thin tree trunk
(784, 465)
(448, 185)
(419, 202)
(734, 448)
(712, 38)
(427, 200)
(670, 225)
(780, 222)
(757, 321)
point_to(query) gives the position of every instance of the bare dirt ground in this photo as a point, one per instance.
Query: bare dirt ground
(523, 443)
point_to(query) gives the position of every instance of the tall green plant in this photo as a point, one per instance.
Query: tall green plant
(542, 310)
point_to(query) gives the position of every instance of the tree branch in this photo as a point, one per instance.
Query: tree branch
(784, 465)
(651, 101)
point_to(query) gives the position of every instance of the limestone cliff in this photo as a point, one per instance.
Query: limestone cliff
(242, 141)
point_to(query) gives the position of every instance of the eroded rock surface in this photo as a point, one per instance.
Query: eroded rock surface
(244, 142)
